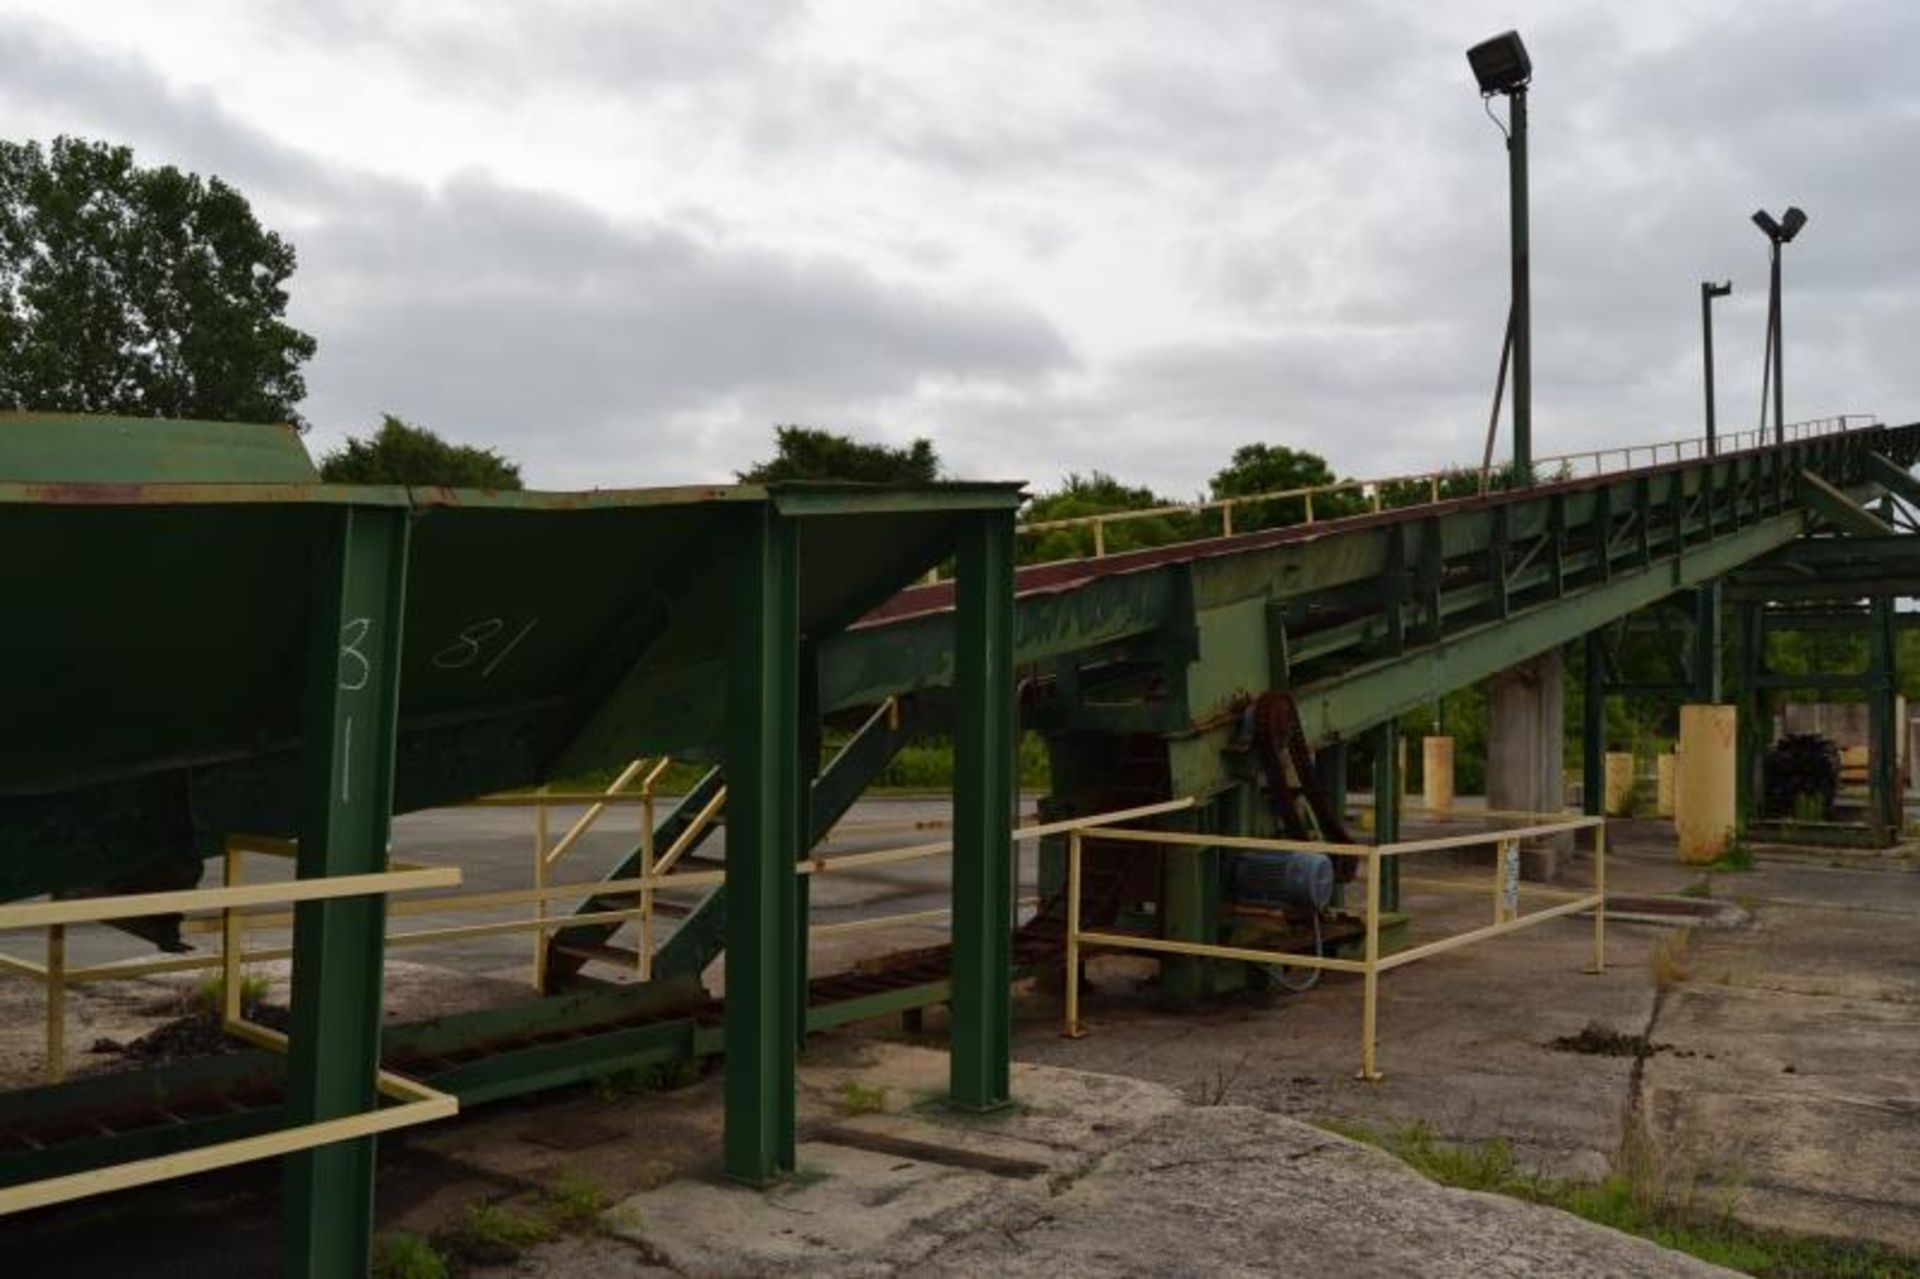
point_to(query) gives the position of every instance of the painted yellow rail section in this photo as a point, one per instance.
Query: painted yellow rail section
(1507, 916)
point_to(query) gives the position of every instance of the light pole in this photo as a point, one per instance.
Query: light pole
(1777, 233)
(1706, 599)
(1708, 292)
(1501, 65)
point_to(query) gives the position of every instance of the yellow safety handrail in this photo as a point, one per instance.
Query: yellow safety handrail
(1507, 916)
(1582, 464)
(418, 1103)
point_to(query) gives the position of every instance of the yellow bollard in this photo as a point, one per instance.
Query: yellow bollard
(1619, 797)
(1436, 775)
(1664, 783)
(1704, 782)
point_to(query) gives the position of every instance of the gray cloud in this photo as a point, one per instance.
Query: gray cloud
(599, 352)
(501, 48)
(1300, 211)
(560, 333)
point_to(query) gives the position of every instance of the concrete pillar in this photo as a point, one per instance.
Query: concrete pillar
(1620, 781)
(1664, 781)
(1527, 717)
(1436, 775)
(1708, 747)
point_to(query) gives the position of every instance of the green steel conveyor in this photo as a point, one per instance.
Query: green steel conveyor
(1159, 652)
(180, 590)
(203, 639)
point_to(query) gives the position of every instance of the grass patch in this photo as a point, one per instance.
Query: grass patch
(640, 1081)
(1738, 857)
(1698, 888)
(494, 1235)
(210, 994)
(858, 1099)
(1647, 1195)
(927, 765)
(575, 1202)
(404, 1256)
(922, 765)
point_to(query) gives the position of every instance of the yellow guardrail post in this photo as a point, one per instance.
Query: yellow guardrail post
(540, 832)
(233, 938)
(1073, 935)
(1600, 903)
(1370, 1005)
(56, 1003)
(645, 947)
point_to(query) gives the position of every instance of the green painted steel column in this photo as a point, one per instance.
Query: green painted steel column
(1749, 732)
(1706, 643)
(763, 801)
(1884, 798)
(1386, 807)
(1330, 761)
(983, 797)
(352, 698)
(1189, 908)
(809, 765)
(1593, 727)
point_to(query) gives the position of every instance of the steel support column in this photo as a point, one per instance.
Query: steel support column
(352, 700)
(1885, 800)
(1706, 643)
(808, 744)
(1753, 727)
(983, 797)
(1522, 290)
(1386, 807)
(763, 804)
(1593, 726)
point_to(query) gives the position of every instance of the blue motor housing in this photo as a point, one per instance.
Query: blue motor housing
(1278, 880)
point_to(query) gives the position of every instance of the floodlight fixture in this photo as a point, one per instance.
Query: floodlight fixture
(1708, 292)
(1778, 232)
(1501, 64)
(1785, 228)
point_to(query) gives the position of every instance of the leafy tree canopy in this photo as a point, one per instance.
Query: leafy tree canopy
(400, 453)
(1270, 468)
(1097, 494)
(148, 292)
(1092, 494)
(1274, 468)
(808, 453)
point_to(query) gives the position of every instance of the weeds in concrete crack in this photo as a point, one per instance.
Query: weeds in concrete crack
(859, 1099)
(493, 1233)
(1214, 1091)
(1669, 959)
(405, 1256)
(1650, 1193)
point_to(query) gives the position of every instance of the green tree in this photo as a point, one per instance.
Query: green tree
(400, 453)
(1274, 468)
(1097, 494)
(808, 453)
(1454, 482)
(148, 292)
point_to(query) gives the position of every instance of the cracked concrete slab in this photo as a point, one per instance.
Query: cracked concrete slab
(1133, 1180)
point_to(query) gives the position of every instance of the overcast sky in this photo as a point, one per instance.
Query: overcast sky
(620, 241)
